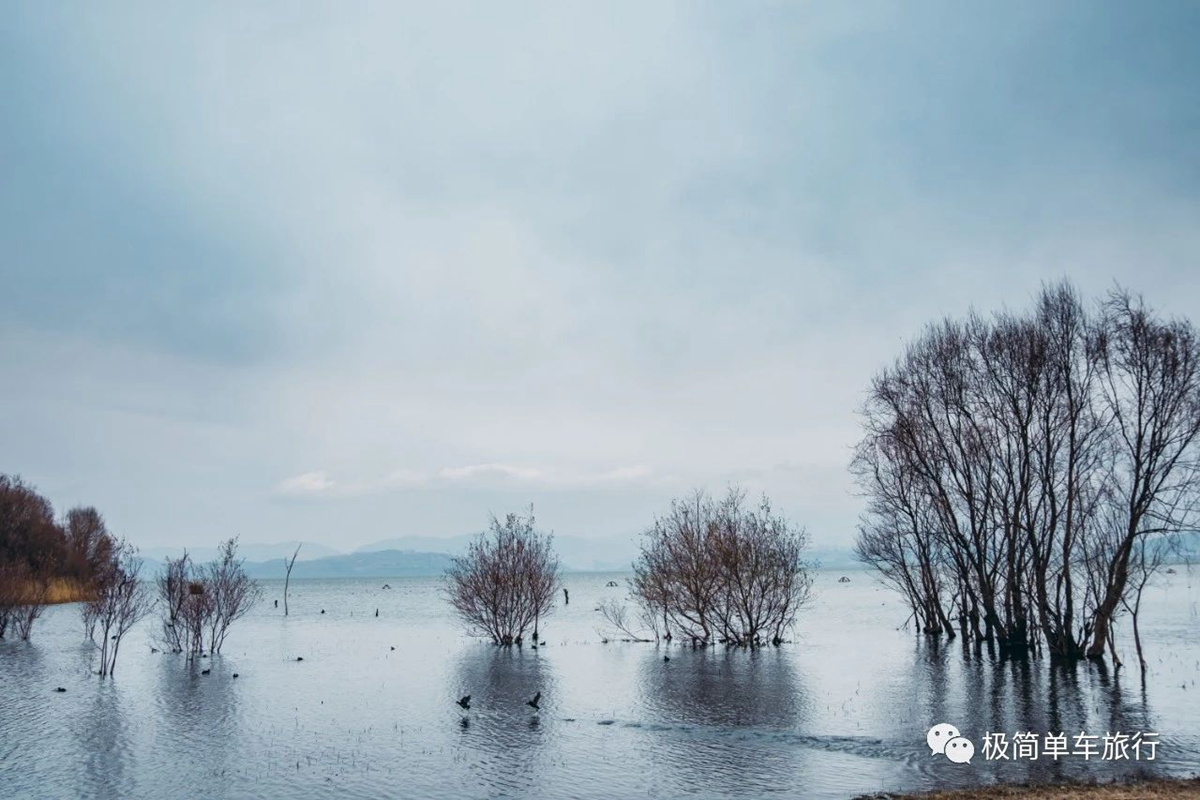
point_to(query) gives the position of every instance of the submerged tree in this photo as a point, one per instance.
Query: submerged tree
(119, 602)
(507, 580)
(1012, 465)
(722, 572)
(233, 593)
(24, 593)
(172, 584)
(200, 603)
(32, 604)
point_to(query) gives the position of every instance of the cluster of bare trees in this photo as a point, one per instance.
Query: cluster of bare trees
(32, 550)
(506, 582)
(1023, 471)
(722, 571)
(77, 558)
(40, 555)
(199, 603)
(119, 601)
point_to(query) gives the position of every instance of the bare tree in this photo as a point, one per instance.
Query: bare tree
(1145, 562)
(30, 539)
(195, 613)
(172, 584)
(675, 577)
(30, 592)
(722, 572)
(89, 544)
(23, 596)
(233, 593)
(11, 586)
(120, 601)
(1150, 374)
(507, 581)
(287, 579)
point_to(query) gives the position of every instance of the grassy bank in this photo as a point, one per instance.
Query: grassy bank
(62, 590)
(1141, 789)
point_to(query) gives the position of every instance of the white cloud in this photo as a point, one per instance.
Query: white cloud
(490, 475)
(475, 471)
(310, 483)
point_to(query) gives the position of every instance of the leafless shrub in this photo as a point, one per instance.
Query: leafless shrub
(674, 576)
(722, 572)
(8, 597)
(233, 593)
(196, 611)
(30, 593)
(200, 603)
(23, 596)
(120, 601)
(507, 580)
(763, 577)
(172, 584)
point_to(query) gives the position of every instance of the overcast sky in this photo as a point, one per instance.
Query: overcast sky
(349, 271)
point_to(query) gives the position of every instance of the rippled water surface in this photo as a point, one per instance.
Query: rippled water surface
(841, 711)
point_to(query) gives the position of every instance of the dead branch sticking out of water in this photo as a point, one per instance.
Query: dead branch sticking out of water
(621, 626)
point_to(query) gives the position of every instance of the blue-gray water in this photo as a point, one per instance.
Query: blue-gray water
(841, 711)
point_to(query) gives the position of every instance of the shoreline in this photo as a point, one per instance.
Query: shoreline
(1142, 788)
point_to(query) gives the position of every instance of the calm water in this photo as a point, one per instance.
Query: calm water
(842, 711)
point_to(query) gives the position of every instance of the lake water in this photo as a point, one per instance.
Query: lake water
(841, 711)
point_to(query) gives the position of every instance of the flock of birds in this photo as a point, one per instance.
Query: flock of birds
(534, 702)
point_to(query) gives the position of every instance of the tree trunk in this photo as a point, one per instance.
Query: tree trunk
(1112, 597)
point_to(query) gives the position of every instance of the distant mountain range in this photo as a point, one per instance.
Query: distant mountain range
(377, 564)
(578, 555)
(415, 556)
(418, 556)
(249, 551)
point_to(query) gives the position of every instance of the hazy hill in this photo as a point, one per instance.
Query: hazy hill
(428, 555)
(576, 554)
(380, 564)
(250, 551)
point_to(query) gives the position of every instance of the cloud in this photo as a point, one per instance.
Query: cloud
(483, 471)
(310, 483)
(491, 475)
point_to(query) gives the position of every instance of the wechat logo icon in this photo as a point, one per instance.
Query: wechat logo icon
(945, 739)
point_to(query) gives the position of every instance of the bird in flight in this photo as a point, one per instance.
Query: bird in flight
(465, 702)
(537, 698)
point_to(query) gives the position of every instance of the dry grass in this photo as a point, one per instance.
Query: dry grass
(65, 591)
(1142, 789)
